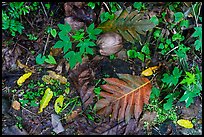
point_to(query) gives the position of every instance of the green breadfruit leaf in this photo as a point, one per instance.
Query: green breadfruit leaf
(45, 100)
(129, 25)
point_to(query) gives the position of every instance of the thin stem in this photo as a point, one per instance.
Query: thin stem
(48, 37)
(44, 9)
(106, 6)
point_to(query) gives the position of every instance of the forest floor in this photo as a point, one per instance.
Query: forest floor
(80, 85)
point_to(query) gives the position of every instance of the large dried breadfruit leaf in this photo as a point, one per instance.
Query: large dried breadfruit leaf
(124, 97)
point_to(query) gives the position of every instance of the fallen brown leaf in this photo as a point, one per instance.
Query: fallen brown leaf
(16, 105)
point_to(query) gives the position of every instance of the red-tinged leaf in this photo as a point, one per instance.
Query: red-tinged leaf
(125, 97)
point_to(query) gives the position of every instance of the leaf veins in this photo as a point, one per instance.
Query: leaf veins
(124, 97)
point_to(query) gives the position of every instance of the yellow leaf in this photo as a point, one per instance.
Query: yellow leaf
(185, 123)
(149, 71)
(22, 79)
(59, 104)
(45, 100)
(53, 75)
(47, 79)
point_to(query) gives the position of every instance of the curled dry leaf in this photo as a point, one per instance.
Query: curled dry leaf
(22, 79)
(124, 97)
(16, 105)
(109, 43)
(53, 75)
(25, 67)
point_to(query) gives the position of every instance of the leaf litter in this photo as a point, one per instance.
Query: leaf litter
(83, 78)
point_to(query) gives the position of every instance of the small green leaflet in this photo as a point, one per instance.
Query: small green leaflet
(33, 103)
(65, 27)
(84, 46)
(59, 44)
(137, 5)
(178, 16)
(92, 32)
(198, 32)
(58, 104)
(177, 36)
(74, 58)
(105, 16)
(155, 20)
(145, 49)
(184, 23)
(65, 44)
(40, 59)
(132, 53)
(188, 97)
(63, 35)
(155, 93)
(172, 79)
(50, 60)
(54, 33)
(168, 104)
(78, 36)
(97, 90)
(45, 100)
(91, 4)
(190, 78)
(198, 44)
(170, 98)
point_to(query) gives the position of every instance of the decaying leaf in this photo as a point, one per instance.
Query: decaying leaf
(149, 71)
(73, 115)
(81, 78)
(185, 123)
(59, 104)
(129, 25)
(16, 105)
(45, 99)
(22, 79)
(124, 97)
(25, 67)
(53, 75)
(56, 124)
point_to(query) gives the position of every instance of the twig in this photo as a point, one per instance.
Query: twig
(44, 9)
(47, 41)
(29, 111)
(29, 22)
(106, 6)
(172, 50)
(196, 17)
(22, 46)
